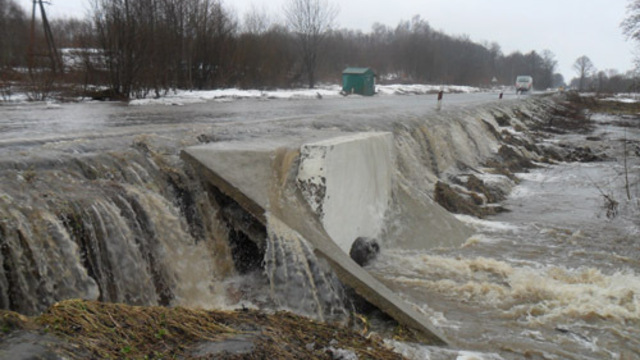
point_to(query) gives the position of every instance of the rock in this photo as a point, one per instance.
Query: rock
(364, 250)
(493, 195)
(514, 160)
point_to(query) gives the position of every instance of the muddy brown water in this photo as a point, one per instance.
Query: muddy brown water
(554, 278)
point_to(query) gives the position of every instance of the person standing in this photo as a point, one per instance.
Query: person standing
(439, 105)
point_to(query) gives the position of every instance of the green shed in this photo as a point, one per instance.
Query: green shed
(359, 81)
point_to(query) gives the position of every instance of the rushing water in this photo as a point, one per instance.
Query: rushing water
(95, 203)
(555, 278)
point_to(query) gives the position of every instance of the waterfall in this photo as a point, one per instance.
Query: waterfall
(299, 281)
(117, 227)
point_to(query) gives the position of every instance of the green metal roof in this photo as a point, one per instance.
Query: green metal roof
(356, 70)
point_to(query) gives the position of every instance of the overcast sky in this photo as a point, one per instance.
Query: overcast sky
(569, 28)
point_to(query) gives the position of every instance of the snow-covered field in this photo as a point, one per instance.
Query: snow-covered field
(184, 97)
(13, 97)
(628, 98)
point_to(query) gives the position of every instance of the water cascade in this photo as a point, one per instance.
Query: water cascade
(119, 229)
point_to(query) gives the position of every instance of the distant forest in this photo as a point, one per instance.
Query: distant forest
(139, 48)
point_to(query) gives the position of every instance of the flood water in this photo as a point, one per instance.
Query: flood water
(29, 120)
(556, 277)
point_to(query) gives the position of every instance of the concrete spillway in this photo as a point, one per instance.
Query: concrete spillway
(347, 182)
(328, 193)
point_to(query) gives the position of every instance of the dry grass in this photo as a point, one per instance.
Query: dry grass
(115, 331)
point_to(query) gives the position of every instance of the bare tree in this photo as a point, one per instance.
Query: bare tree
(631, 24)
(257, 21)
(310, 20)
(584, 68)
(546, 72)
(558, 80)
(158, 45)
(13, 27)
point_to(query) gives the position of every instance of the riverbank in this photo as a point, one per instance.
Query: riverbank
(78, 329)
(522, 146)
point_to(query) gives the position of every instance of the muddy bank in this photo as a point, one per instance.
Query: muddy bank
(522, 147)
(84, 329)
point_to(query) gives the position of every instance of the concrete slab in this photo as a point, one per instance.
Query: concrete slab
(264, 179)
(242, 169)
(347, 181)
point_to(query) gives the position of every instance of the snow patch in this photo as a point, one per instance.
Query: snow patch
(341, 354)
(184, 97)
(624, 98)
(419, 89)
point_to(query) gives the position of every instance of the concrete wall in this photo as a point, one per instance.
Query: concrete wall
(347, 181)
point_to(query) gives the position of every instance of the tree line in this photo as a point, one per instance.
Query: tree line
(589, 78)
(139, 48)
(14, 28)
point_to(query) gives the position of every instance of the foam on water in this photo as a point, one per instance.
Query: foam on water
(421, 352)
(488, 224)
(535, 295)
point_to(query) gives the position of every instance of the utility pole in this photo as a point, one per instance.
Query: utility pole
(54, 57)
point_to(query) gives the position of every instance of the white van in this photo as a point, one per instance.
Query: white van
(524, 83)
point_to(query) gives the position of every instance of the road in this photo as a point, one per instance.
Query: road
(21, 123)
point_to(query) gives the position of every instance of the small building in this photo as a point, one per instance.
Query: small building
(359, 81)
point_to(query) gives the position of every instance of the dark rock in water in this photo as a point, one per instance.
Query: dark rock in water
(493, 195)
(584, 154)
(458, 201)
(455, 202)
(364, 250)
(513, 160)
